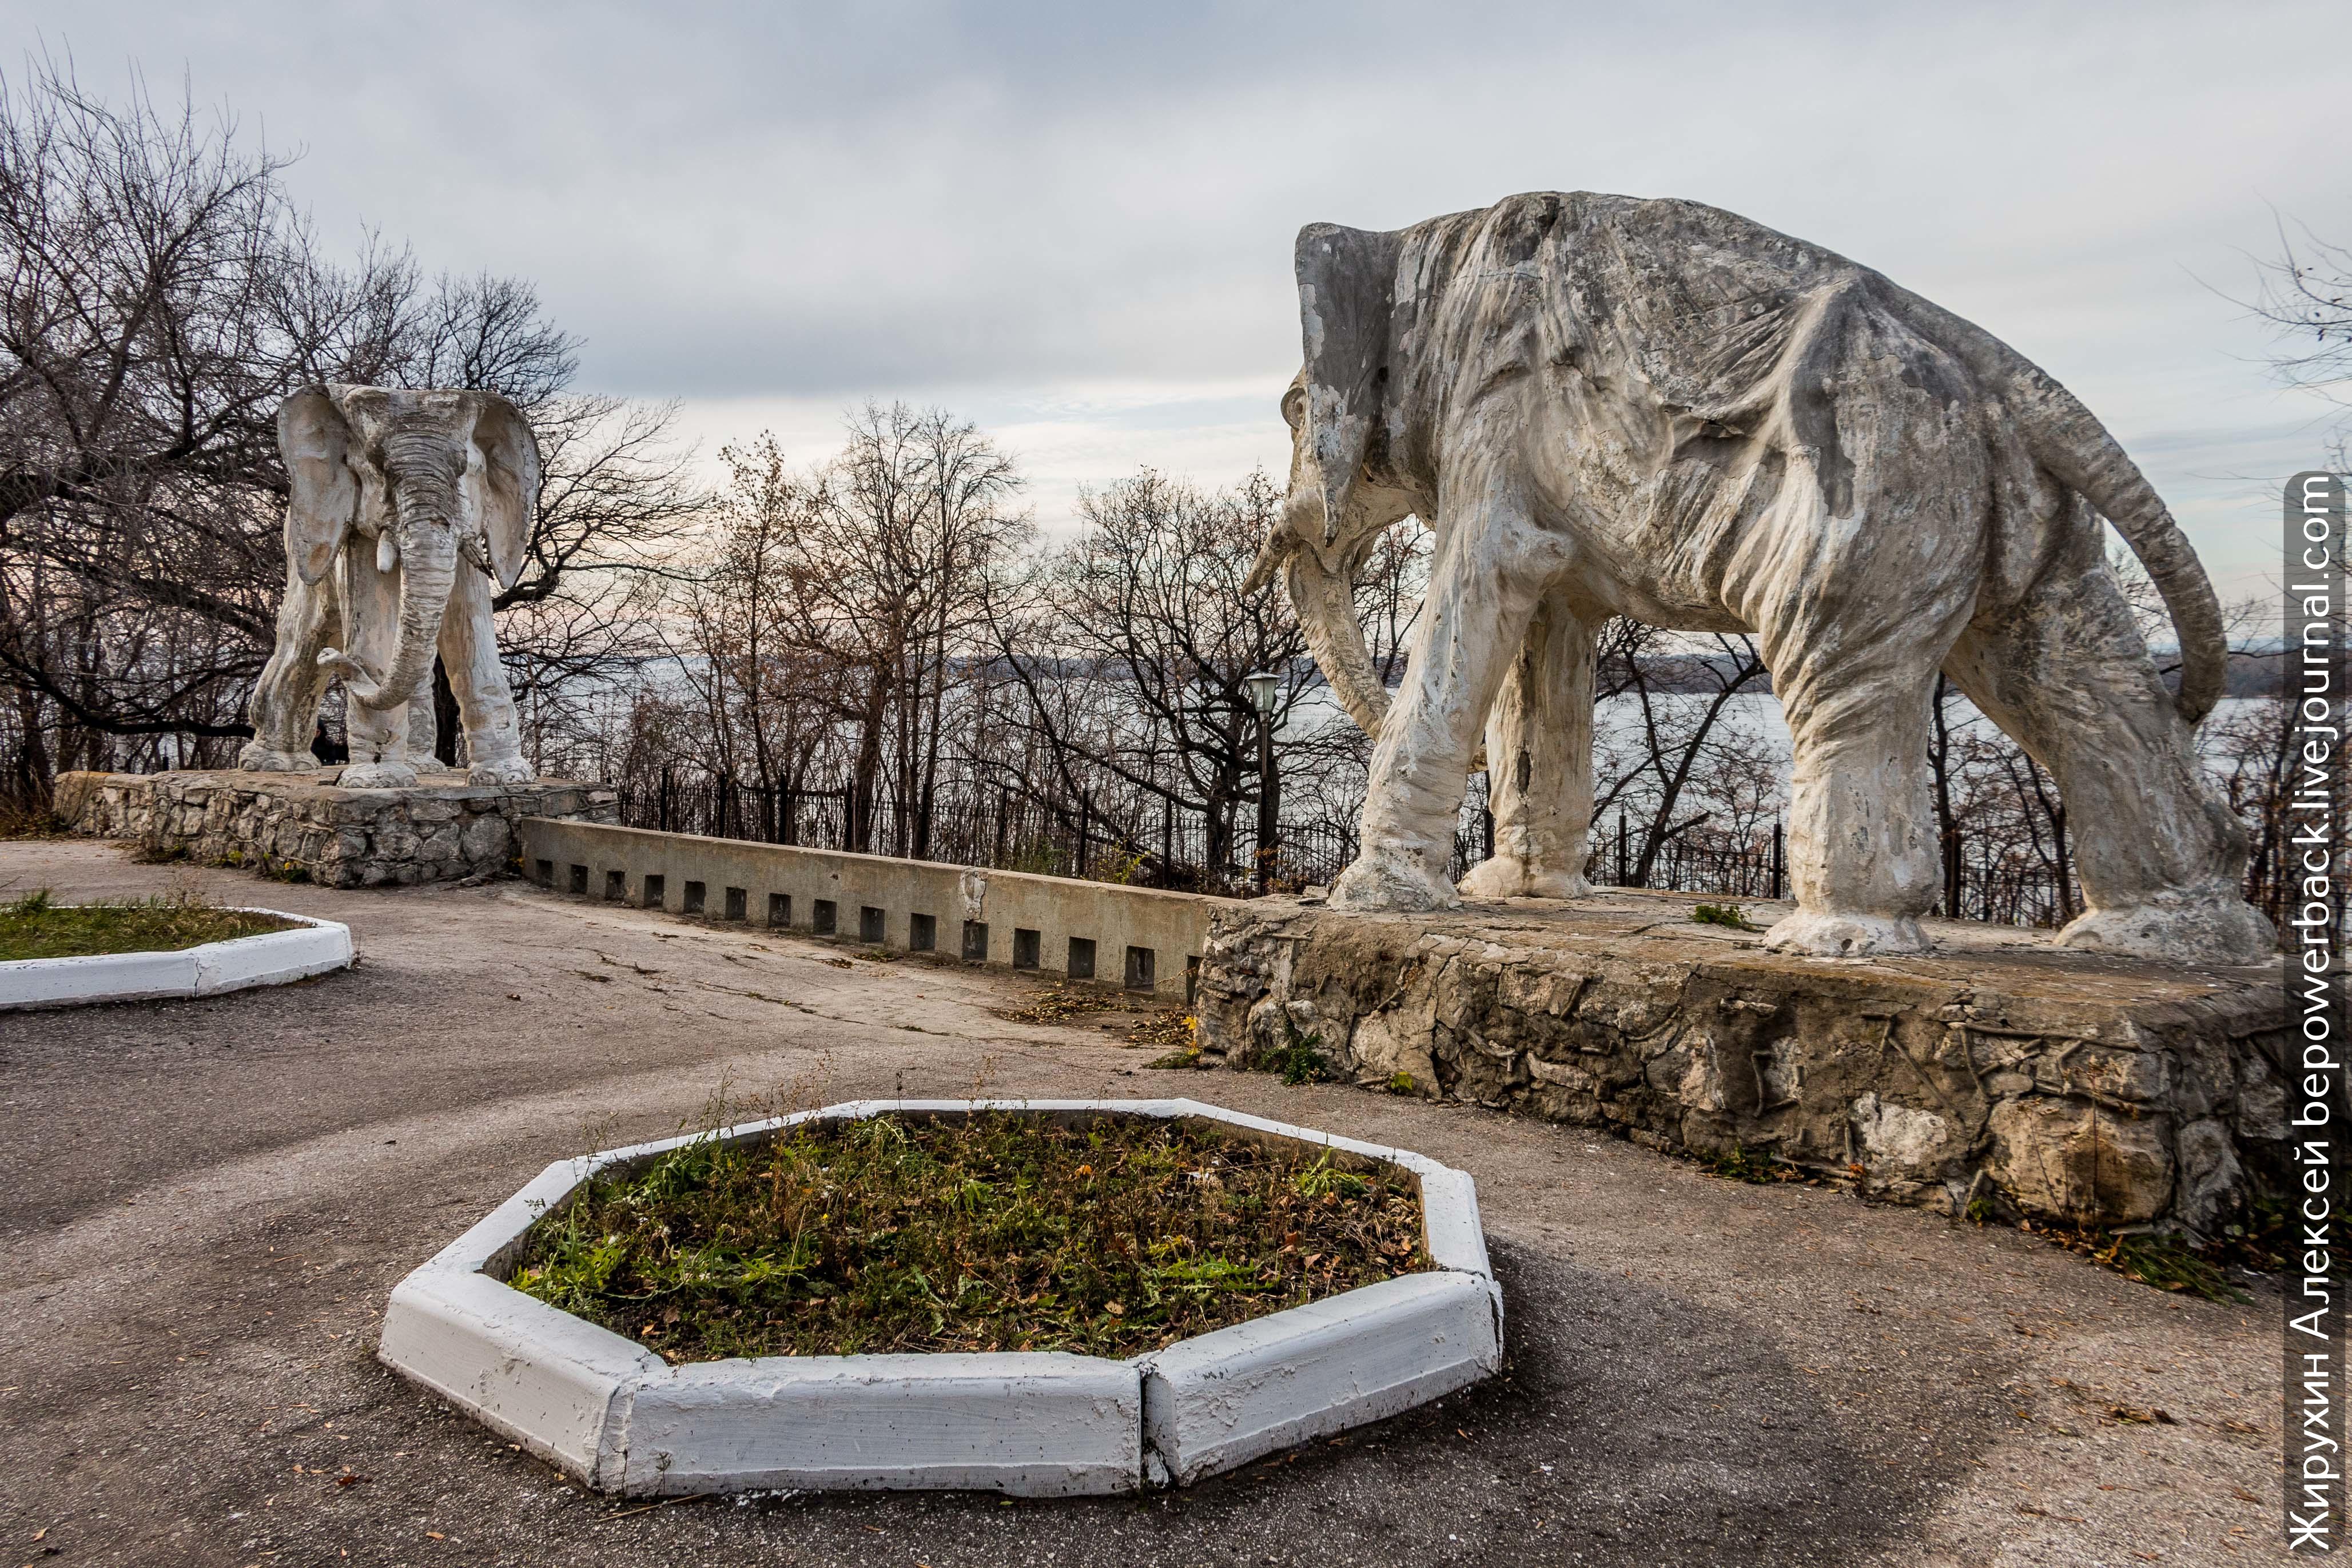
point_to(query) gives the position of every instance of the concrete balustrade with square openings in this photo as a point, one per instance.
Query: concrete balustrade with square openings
(1153, 939)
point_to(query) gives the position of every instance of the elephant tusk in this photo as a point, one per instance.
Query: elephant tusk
(387, 552)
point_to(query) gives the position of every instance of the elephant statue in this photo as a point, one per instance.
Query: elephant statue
(406, 508)
(1608, 405)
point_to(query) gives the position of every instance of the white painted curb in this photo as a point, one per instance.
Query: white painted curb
(1029, 1423)
(273, 958)
(1222, 1399)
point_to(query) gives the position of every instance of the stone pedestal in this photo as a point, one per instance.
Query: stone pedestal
(305, 827)
(2064, 1086)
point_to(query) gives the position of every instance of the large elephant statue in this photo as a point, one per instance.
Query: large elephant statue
(1605, 405)
(408, 510)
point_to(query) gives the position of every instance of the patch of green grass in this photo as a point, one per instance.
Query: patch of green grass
(34, 926)
(1401, 1083)
(1730, 915)
(993, 1232)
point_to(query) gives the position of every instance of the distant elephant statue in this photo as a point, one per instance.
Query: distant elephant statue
(1605, 405)
(407, 509)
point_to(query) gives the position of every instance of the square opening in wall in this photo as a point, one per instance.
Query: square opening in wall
(738, 904)
(654, 887)
(922, 933)
(780, 908)
(869, 924)
(1141, 964)
(975, 941)
(1027, 948)
(823, 916)
(694, 893)
(616, 885)
(580, 879)
(1082, 958)
(547, 873)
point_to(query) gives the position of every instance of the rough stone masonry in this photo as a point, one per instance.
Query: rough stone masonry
(306, 826)
(2070, 1087)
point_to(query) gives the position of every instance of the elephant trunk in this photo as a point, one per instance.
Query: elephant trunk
(425, 500)
(1326, 602)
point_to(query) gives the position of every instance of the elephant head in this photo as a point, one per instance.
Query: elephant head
(1344, 487)
(435, 475)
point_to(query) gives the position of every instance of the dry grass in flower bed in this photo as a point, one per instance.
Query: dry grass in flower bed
(33, 927)
(993, 1232)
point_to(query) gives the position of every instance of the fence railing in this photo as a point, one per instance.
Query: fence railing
(975, 823)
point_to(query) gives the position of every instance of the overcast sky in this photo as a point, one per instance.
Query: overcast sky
(1073, 223)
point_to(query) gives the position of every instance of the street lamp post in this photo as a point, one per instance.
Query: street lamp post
(1264, 691)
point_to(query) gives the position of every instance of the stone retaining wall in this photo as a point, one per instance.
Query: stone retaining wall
(2050, 1083)
(305, 827)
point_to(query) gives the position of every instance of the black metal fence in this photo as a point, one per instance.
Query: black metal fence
(977, 822)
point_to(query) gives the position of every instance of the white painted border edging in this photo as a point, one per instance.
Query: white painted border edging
(273, 958)
(1028, 1423)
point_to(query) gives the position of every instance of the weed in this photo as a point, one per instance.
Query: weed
(1302, 1059)
(993, 1232)
(29, 822)
(1759, 1166)
(2166, 1262)
(1401, 1083)
(1730, 915)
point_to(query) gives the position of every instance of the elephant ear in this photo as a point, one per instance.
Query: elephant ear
(313, 440)
(1347, 289)
(510, 484)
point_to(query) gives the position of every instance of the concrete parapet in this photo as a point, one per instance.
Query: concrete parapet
(1139, 939)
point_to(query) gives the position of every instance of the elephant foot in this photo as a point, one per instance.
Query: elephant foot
(1391, 879)
(2209, 928)
(1508, 877)
(1825, 934)
(258, 758)
(510, 770)
(378, 775)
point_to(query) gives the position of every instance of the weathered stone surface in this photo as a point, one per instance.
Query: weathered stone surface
(2074, 1087)
(306, 826)
(1607, 405)
(389, 559)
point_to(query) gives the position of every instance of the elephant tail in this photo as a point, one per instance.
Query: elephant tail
(2070, 442)
(2066, 439)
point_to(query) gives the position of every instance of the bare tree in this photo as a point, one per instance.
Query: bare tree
(161, 297)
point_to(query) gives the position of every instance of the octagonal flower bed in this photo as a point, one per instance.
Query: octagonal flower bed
(69, 955)
(1033, 1297)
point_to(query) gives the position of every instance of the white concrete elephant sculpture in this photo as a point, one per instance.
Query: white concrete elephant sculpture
(405, 507)
(1605, 407)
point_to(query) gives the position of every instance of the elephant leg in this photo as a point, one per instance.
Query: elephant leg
(284, 710)
(1492, 568)
(1856, 612)
(1539, 764)
(2065, 675)
(486, 704)
(379, 737)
